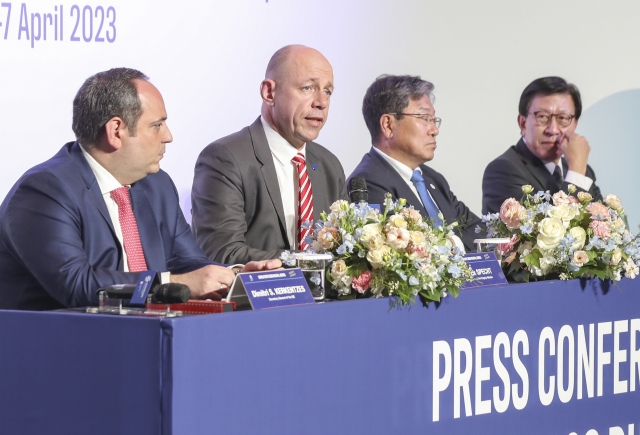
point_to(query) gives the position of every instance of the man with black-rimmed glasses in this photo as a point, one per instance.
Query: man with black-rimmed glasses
(549, 155)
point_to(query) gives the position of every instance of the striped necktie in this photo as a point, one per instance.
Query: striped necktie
(305, 200)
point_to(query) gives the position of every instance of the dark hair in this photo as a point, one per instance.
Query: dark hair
(548, 86)
(103, 96)
(391, 94)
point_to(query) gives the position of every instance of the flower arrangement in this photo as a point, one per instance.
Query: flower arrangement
(395, 253)
(565, 236)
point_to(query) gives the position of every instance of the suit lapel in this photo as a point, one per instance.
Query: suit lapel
(533, 164)
(263, 155)
(149, 229)
(92, 184)
(392, 178)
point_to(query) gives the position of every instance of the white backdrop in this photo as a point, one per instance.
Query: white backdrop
(208, 58)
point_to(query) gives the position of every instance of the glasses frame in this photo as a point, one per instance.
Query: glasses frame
(432, 119)
(551, 116)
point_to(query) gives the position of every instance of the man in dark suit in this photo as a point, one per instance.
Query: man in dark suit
(403, 126)
(550, 155)
(250, 197)
(101, 210)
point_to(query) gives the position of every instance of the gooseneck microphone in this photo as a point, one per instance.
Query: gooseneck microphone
(169, 293)
(358, 190)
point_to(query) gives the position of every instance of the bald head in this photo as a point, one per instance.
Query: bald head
(295, 93)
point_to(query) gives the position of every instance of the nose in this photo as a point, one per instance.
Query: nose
(552, 127)
(321, 100)
(167, 137)
(434, 131)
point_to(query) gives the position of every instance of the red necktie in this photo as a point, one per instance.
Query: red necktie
(130, 235)
(305, 200)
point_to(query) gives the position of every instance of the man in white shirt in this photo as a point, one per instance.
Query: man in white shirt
(403, 126)
(101, 211)
(550, 155)
(253, 190)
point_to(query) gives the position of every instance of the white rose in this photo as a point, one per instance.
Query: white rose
(377, 258)
(550, 232)
(340, 205)
(369, 231)
(613, 202)
(630, 269)
(397, 221)
(376, 242)
(565, 212)
(580, 236)
(417, 237)
(338, 269)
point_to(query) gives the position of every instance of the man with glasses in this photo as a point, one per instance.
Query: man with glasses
(550, 155)
(403, 126)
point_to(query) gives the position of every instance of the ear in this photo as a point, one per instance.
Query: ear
(387, 125)
(268, 91)
(522, 120)
(113, 131)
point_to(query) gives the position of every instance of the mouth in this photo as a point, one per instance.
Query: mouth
(315, 121)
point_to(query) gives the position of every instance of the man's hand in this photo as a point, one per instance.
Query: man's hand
(576, 150)
(213, 282)
(209, 282)
(256, 266)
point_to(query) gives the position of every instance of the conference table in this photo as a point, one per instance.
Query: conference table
(553, 357)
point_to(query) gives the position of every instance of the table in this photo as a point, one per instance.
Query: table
(352, 367)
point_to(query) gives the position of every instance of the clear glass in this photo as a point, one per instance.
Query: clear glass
(492, 245)
(313, 267)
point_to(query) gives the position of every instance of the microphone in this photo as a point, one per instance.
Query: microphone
(169, 293)
(358, 190)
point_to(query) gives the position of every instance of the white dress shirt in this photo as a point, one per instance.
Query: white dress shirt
(582, 181)
(283, 152)
(107, 183)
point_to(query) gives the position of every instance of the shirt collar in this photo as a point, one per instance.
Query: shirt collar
(281, 149)
(106, 181)
(405, 172)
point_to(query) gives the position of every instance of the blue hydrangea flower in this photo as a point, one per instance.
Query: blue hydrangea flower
(454, 270)
(315, 278)
(527, 228)
(413, 280)
(402, 275)
(287, 259)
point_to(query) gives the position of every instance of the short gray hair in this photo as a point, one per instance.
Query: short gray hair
(391, 94)
(102, 97)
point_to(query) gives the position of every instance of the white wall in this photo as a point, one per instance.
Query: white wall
(208, 58)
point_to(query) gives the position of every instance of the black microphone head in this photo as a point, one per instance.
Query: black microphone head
(171, 293)
(358, 190)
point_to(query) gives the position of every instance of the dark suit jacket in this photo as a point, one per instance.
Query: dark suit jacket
(236, 202)
(382, 178)
(504, 177)
(57, 242)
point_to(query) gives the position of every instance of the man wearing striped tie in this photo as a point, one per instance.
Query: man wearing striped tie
(403, 126)
(254, 190)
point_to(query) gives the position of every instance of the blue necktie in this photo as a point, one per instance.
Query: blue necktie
(427, 201)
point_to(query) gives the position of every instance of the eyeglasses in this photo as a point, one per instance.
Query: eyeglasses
(543, 118)
(426, 118)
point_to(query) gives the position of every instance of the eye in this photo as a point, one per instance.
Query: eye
(328, 92)
(306, 88)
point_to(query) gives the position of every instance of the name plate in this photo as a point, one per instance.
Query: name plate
(143, 286)
(272, 289)
(486, 270)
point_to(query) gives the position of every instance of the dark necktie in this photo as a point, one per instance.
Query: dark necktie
(427, 201)
(557, 175)
(130, 235)
(305, 200)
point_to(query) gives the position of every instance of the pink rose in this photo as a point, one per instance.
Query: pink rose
(560, 198)
(600, 229)
(327, 237)
(573, 200)
(510, 213)
(362, 283)
(598, 211)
